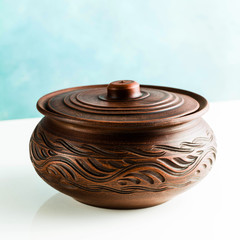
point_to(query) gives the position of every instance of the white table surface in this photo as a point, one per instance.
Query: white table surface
(30, 209)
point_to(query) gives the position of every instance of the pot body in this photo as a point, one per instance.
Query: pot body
(122, 168)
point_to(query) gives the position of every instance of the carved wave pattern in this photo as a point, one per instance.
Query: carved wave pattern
(122, 169)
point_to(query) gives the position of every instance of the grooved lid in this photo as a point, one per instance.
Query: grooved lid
(123, 102)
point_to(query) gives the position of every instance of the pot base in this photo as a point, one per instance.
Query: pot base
(121, 206)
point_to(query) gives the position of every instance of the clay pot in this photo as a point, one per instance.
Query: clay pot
(122, 146)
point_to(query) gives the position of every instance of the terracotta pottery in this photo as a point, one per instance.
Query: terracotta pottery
(122, 146)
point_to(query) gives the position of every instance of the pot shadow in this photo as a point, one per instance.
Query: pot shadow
(61, 206)
(61, 212)
(62, 215)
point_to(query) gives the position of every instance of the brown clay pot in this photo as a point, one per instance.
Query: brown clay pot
(119, 146)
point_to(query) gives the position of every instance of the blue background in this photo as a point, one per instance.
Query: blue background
(54, 44)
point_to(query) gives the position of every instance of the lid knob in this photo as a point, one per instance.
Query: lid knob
(123, 90)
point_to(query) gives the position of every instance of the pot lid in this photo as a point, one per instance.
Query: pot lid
(123, 102)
